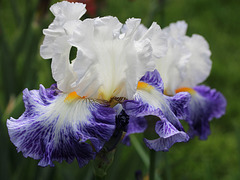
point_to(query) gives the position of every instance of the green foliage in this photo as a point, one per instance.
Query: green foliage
(21, 24)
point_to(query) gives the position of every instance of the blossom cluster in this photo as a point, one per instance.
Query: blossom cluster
(121, 74)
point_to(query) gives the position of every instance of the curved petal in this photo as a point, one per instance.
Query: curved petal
(150, 100)
(57, 126)
(172, 67)
(199, 65)
(65, 13)
(205, 105)
(158, 40)
(169, 135)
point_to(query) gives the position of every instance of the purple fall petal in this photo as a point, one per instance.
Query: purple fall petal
(154, 102)
(169, 135)
(205, 105)
(179, 103)
(51, 129)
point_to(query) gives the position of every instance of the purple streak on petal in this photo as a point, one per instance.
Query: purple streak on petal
(37, 132)
(135, 125)
(179, 104)
(215, 98)
(169, 135)
(205, 105)
(154, 79)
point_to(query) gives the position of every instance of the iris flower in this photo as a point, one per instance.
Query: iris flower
(113, 72)
(186, 65)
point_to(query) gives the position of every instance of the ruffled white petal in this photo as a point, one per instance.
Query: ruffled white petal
(199, 66)
(187, 62)
(111, 57)
(56, 45)
(176, 30)
(158, 40)
(172, 67)
(110, 61)
(65, 11)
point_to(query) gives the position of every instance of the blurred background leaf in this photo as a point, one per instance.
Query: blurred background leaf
(21, 24)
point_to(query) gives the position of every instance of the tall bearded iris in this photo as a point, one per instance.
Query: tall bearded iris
(114, 64)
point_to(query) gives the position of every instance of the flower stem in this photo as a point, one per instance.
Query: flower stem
(152, 165)
(140, 150)
(102, 162)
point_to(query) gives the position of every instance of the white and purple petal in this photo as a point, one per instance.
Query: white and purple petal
(150, 100)
(55, 127)
(205, 105)
(169, 135)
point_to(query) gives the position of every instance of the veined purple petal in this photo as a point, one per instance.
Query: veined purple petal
(169, 135)
(54, 129)
(135, 125)
(150, 100)
(179, 104)
(154, 79)
(205, 105)
(217, 100)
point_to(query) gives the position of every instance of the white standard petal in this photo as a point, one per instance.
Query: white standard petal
(187, 61)
(110, 61)
(56, 42)
(176, 30)
(158, 40)
(199, 64)
(65, 13)
(172, 67)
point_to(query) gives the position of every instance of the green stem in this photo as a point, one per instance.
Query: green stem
(140, 150)
(152, 165)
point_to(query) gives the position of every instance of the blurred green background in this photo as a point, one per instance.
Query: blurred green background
(21, 24)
